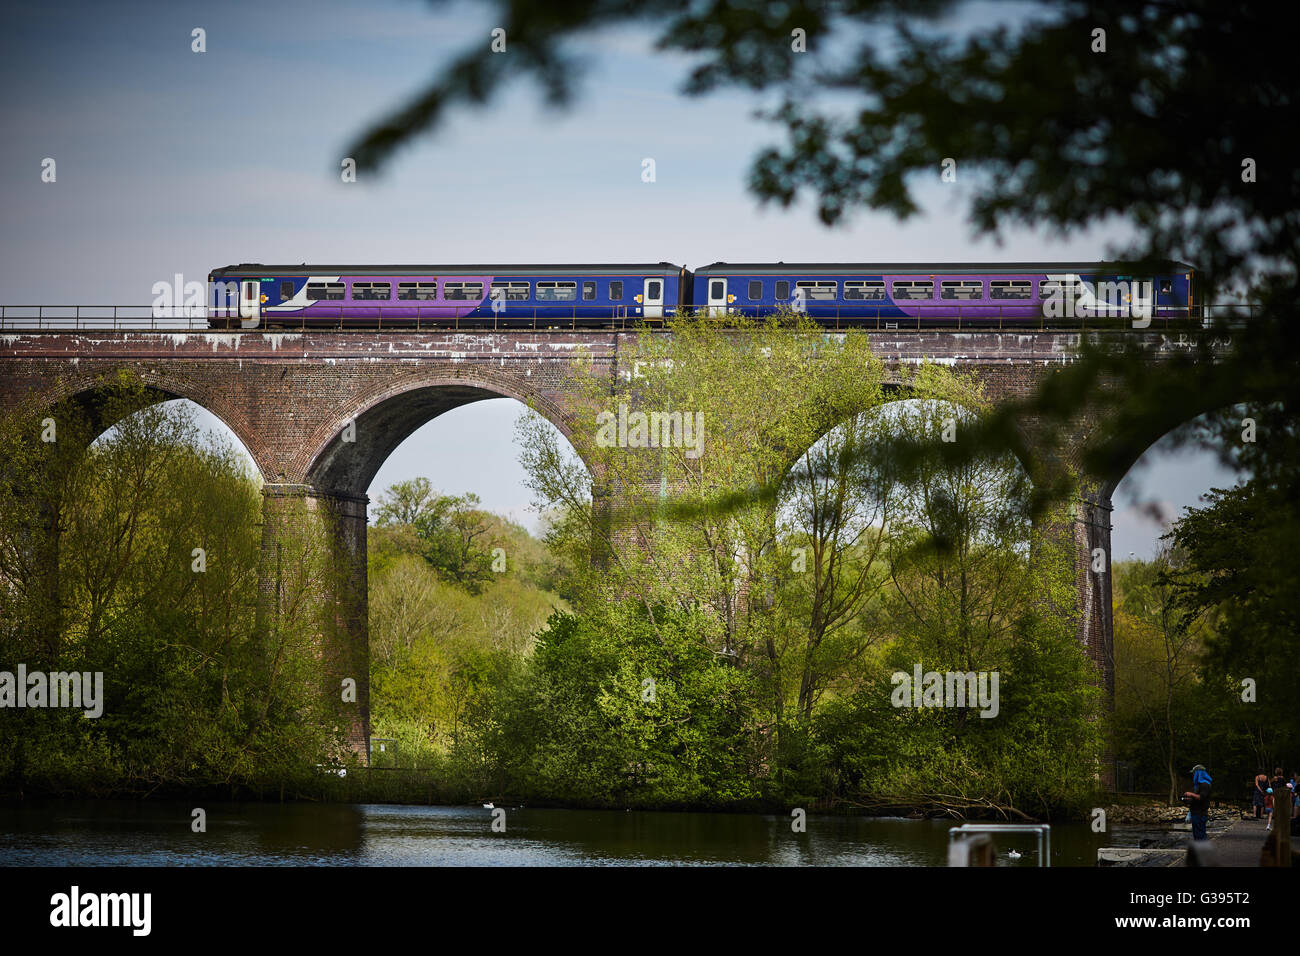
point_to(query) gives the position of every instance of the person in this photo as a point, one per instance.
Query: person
(1261, 788)
(1276, 787)
(1198, 801)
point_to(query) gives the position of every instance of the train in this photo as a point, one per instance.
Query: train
(843, 295)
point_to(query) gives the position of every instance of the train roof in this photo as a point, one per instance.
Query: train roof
(470, 269)
(929, 268)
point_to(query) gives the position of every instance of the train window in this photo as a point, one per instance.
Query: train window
(783, 289)
(372, 290)
(914, 289)
(653, 290)
(324, 290)
(863, 289)
(961, 289)
(1011, 288)
(557, 291)
(1054, 287)
(755, 289)
(1166, 286)
(588, 291)
(717, 289)
(616, 290)
(818, 289)
(465, 291)
(417, 290)
(286, 290)
(510, 291)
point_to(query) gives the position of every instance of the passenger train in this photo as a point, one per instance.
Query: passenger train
(843, 295)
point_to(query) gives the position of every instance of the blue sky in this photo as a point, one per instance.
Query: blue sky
(170, 161)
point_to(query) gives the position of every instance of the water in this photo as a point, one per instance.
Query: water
(121, 833)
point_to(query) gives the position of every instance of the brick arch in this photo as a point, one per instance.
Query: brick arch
(894, 389)
(1144, 442)
(170, 384)
(387, 414)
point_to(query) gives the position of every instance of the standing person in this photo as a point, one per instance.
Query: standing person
(1276, 786)
(1198, 800)
(1261, 790)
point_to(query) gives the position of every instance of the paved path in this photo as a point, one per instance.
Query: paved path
(1239, 844)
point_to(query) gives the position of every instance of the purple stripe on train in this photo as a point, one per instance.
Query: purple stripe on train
(438, 307)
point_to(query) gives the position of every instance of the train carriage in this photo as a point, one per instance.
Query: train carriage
(901, 294)
(431, 296)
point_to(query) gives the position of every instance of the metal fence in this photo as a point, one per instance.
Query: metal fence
(350, 317)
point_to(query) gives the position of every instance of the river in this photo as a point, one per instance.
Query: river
(124, 833)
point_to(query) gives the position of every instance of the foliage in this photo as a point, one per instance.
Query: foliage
(196, 692)
(582, 725)
(811, 592)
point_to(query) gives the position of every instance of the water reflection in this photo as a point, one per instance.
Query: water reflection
(128, 833)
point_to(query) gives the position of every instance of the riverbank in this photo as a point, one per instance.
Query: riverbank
(360, 785)
(1235, 839)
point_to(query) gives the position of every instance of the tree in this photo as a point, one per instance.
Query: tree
(158, 549)
(1155, 655)
(1235, 551)
(1039, 113)
(1169, 116)
(836, 516)
(455, 535)
(1042, 105)
(405, 502)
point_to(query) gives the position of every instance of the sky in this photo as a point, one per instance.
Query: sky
(169, 161)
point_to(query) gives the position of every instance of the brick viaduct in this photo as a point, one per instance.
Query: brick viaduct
(289, 398)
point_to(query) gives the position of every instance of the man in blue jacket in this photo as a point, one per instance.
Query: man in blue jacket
(1198, 801)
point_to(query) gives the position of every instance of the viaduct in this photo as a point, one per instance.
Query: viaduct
(289, 397)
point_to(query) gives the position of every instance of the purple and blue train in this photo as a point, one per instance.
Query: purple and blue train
(844, 295)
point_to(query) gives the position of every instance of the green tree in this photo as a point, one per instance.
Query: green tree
(158, 549)
(1235, 550)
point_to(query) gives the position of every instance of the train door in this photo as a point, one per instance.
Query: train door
(717, 296)
(653, 296)
(250, 303)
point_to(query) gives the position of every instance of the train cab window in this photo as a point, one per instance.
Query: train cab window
(588, 291)
(755, 289)
(914, 289)
(286, 290)
(462, 291)
(1166, 287)
(417, 290)
(817, 289)
(372, 290)
(1011, 288)
(863, 289)
(961, 289)
(555, 291)
(783, 289)
(616, 290)
(512, 291)
(717, 289)
(324, 290)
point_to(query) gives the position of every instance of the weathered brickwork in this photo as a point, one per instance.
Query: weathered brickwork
(320, 412)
